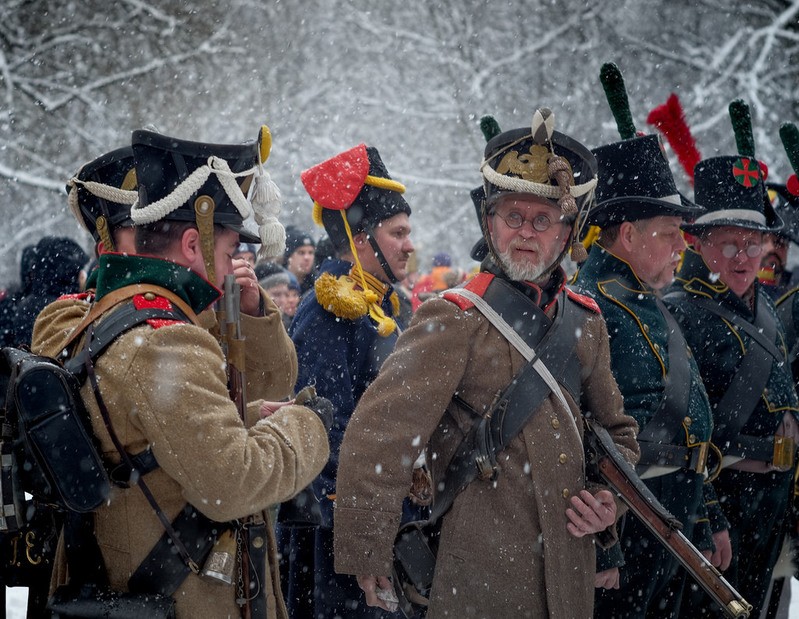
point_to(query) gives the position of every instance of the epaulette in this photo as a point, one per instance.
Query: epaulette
(77, 296)
(478, 285)
(150, 300)
(583, 300)
(342, 297)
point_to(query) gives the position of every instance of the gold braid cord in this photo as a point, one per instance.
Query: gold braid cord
(560, 170)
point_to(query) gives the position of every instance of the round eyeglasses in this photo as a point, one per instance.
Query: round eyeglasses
(730, 250)
(514, 221)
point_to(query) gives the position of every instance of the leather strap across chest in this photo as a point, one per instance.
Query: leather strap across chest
(512, 410)
(745, 389)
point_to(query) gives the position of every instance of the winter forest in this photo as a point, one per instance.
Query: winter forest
(412, 78)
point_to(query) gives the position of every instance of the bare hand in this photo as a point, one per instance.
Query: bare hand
(722, 556)
(250, 290)
(370, 585)
(608, 579)
(269, 408)
(590, 514)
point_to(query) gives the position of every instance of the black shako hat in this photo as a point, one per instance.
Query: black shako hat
(635, 182)
(357, 184)
(786, 205)
(101, 193)
(732, 190)
(519, 154)
(208, 176)
(537, 161)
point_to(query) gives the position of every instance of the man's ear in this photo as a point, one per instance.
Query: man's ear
(626, 231)
(360, 240)
(190, 246)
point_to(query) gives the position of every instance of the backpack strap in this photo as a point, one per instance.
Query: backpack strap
(105, 303)
(160, 572)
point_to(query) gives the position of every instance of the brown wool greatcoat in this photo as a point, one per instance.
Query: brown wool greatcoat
(504, 548)
(167, 388)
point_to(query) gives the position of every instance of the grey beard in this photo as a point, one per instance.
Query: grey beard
(520, 272)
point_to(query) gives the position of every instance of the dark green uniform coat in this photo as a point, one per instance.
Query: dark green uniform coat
(639, 357)
(754, 503)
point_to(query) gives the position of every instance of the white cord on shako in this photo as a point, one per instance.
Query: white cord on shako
(105, 192)
(265, 203)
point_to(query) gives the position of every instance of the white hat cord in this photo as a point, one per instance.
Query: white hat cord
(180, 195)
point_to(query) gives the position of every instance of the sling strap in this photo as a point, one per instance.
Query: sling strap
(746, 387)
(785, 313)
(655, 439)
(489, 435)
(190, 535)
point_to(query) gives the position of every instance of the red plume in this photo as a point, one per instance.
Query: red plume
(669, 118)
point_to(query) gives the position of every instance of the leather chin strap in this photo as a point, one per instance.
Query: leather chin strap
(380, 257)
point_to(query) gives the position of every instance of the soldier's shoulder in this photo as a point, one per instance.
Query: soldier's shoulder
(476, 285)
(583, 300)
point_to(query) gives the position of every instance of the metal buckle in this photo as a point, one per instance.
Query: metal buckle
(784, 449)
(699, 453)
(713, 473)
(485, 470)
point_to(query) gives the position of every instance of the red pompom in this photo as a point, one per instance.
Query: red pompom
(793, 185)
(763, 169)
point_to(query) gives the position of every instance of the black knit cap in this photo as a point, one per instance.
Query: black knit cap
(635, 182)
(163, 163)
(114, 169)
(296, 238)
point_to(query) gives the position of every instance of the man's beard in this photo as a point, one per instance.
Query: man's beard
(522, 271)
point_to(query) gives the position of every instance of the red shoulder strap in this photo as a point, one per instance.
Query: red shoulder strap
(78, 296)
(153, 301)
(584, 301)
(478, 285)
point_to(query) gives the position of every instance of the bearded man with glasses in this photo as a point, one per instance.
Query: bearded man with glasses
(739, 344)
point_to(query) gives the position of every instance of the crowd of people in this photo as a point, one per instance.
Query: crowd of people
(373, 439)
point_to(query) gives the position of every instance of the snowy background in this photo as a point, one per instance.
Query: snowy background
(412, 78)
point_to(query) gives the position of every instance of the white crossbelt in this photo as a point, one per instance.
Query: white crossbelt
(526, 351)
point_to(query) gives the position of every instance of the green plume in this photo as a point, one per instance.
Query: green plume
(616, 94)
(490, 127)
(789, 135)
(742, 127)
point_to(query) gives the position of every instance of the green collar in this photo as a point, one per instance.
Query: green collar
(604, 265)
(695, 277)
(119, 270)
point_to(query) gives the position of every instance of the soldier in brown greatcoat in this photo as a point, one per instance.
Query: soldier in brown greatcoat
(164, 382)
(522, 543)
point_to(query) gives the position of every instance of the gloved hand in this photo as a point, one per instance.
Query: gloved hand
(321, 406)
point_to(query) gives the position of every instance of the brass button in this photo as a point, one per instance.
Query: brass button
(692, 438)
(258, 542)
(657, 348)
(563, 458)
(687, 421)
(565, 493)
(646, 328)
(149, 296)
(555, 423)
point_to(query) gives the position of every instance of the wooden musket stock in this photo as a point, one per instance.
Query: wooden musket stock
(716, 586)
